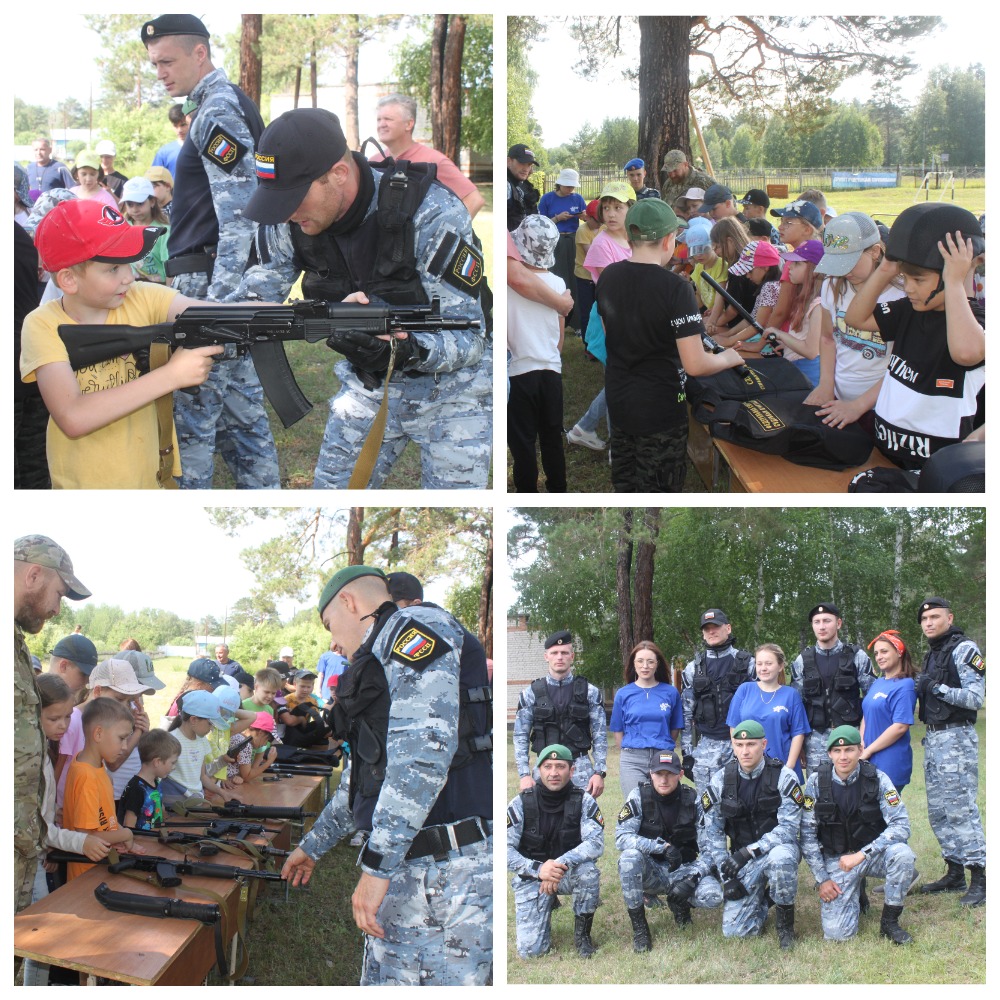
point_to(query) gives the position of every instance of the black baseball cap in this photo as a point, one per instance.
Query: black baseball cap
(713, 616)
(296, 149)
(405, 587)
(172, 24)
(521, 153)
(756, 197)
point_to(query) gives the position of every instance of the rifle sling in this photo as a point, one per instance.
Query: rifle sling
(159, 354)
(365, 465)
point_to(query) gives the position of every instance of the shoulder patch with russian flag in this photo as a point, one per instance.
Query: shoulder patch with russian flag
(224, 150)
(417, 645)
(266, 167)
(465, 269)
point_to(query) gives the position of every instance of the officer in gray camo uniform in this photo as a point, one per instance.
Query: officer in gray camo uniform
(562, 708)
(657, 834)
(209, 243)
(555, 833)
(754, 803)
(854, 825)
(952, 689)
(360, 238)
(420, 780)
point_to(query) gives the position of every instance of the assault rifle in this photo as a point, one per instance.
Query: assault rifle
(771, 339)
(241, 810)
(209, 845)
(167, 872)
(260, 331)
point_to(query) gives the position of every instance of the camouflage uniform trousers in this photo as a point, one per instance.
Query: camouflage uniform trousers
(226, 412)
(29, 747)
(777, 870)
(448, 414)
(649, 463)
(639, 873)
(438, 921)
(815, 748)
(895, 864)
(533, 920)
(951, 773)
(709, 756)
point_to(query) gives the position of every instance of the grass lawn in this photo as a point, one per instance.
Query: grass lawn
(885, 204)
(949, 943)
(298, 447)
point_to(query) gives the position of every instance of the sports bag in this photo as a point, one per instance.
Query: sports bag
(765, 377)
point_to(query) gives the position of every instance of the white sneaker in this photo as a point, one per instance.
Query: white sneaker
(577, 435)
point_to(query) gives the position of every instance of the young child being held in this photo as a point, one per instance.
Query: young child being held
(242, 749)
(89, 802)
(141, 804)
(303, 729)
(931, 395)
(103, 432)
(190, 777)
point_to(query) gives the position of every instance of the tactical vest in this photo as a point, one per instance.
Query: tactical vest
(532, 844)
(361, 715)
(571, 726)
(848, 816)
(939, 668)
(379, 256)
(838, 704)
(750, 815)
(684, 835)
(712, 698)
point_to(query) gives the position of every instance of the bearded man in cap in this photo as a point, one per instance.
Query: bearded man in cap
(555, 833)
(209, 242)
(363, 233)
(419, 782)
(681, 176)
(43, 576)
(564, 709)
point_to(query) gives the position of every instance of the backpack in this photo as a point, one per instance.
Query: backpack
(771, 377)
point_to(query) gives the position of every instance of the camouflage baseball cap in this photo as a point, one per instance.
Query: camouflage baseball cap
(42, 551)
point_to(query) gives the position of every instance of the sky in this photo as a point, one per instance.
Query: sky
(563, 101)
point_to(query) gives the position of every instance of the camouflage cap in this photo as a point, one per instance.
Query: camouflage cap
(844, 736)
(673, 159)
(749, 730)
(42, 551)
(555, 751)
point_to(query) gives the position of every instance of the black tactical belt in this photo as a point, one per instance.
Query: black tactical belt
(436, 841)
(933, 727)
(191, 263)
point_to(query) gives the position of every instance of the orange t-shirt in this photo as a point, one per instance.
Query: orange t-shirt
(88, 805)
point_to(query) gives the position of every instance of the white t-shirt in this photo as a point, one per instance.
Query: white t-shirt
(861, 355)
(187, 770)
(533, 330)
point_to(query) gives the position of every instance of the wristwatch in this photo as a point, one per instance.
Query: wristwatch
(601, 774)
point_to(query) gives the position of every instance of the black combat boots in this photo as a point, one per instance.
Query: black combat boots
(976, 896)
(581, 934)
(889, 927)
(953, 880)
(641, 939)
(784, 920)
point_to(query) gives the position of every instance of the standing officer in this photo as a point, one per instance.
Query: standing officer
(832, 678)
(522, 197)
(952, 689)
(555, 833)
(635, 174)
(708, 684)
(43, 575)
(419, 780)
(657, 834)
(855, 825)
(561, 708)
(209, 243)
(362, 234)
(755, 802)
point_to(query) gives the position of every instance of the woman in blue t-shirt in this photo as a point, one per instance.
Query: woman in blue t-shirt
(647, 715)
(775, 705)
(888, 710)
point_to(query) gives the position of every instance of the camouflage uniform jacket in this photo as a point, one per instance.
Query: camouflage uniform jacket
(862, 667)
(972, 693)
(696, 178)
(29, 746)
(421, 742)
(897, 830)
(590, 848)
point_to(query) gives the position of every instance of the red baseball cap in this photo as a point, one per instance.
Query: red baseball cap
(81, 230)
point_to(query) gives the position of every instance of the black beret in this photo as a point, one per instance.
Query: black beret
(562, 638)
(172, 24)
(931, 602)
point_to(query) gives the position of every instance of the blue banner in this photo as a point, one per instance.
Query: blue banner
(843, 181)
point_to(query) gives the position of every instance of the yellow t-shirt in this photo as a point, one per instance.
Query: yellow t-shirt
(125, 454)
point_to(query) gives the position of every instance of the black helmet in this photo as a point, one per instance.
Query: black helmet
(915, 234)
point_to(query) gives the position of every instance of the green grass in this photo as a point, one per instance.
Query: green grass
(885, 204)
(298, 447)
(949, 941)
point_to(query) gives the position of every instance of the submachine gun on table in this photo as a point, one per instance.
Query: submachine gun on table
(260, 331)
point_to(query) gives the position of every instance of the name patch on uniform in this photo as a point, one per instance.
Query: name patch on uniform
(417, 646)
(977, 663)
(224, 150)
(465, 269)
(626, 813)
(892, 797)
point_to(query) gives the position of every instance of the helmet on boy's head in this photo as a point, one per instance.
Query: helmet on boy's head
(914, 236)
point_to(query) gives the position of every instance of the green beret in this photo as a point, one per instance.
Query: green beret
(844, 736)
(748, 730)
(555, 751)
(342, 578)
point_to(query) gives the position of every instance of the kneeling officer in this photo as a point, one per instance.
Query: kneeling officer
(555, 833)
(657, 834)
(854, 825)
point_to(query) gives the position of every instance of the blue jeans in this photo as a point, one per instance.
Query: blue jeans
(597, 409)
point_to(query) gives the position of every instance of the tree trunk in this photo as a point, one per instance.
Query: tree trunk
(355, 547)
(623, 586)
(312, 73)
(897, 576)
(485, 623)
(251, 27)
(352, 46)
(663, 89)
(298, 86)
(439, 38)
(643, 590)
(451, 89)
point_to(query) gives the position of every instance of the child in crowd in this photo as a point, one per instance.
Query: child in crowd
(243, 748)
(190, 777)
(698, 238)
(141, 804)
(89, 803)
(89, 179)
(800, 342)
(729, 237)
(757, 268)
(236, 718)
(163, 188)
(303, 728)
(142, 209)
(852, 359)
(142, 665)
(535, 341)
(932, 392)
(755, 205)
(585, 235)
(654, 329)
(801, 220)
(103, 432)
(267, 683)
(203, 674)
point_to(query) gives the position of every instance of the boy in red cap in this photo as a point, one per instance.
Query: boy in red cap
(104, 430)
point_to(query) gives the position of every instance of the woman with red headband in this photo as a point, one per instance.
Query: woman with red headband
(888, 709)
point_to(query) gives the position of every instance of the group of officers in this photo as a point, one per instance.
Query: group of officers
(737, 835)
